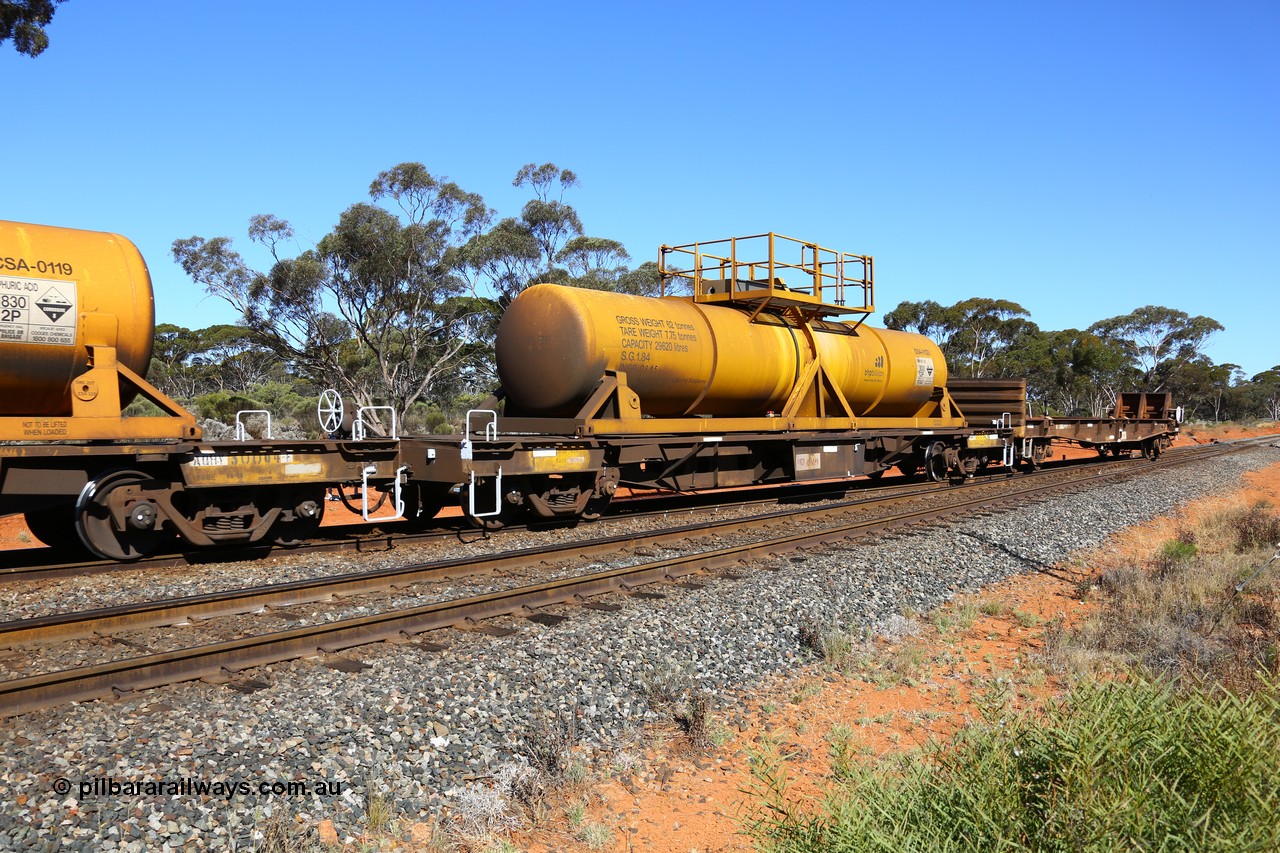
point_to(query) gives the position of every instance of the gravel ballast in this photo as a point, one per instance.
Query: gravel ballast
(204, 765)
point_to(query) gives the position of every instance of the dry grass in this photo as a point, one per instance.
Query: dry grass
(1181, 615)
(1167, 738)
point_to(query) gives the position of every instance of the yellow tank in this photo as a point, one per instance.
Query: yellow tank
(50, 278)
(554, 344)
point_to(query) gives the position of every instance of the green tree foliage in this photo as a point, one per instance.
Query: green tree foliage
(376, 309)
(976, 335)
(547, 243)
(399, 303)
(505, 258)
(550, 221)
(645, 280)
(186, 363)
(171, 355)
(926, 318)
(24, 21)
(1205, 389)
(1266, 390)
(985, 331)
(1075, 372)
(1161, 341)
(1069, 372)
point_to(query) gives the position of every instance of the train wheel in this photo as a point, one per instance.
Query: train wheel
(935, 462)
(423, 500)
(141, 533)
(596, 507)
(601, 494)
(1151, 450)
(291, 534)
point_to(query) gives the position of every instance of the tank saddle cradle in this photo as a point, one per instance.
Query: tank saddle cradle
(96, 410)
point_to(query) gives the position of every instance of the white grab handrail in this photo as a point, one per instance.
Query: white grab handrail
(358, 429)
(397, 496)
(241, 433)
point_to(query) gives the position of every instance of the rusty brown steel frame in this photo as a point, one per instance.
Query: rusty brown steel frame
(217, 661)
(208, 492)
(1139, 421)
(32, 564)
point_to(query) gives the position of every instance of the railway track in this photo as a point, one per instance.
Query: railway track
(285, 594)
(40, 563)
(218, 661)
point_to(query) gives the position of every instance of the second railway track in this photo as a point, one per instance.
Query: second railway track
(382, 536)
(217, 660)
(42, 563)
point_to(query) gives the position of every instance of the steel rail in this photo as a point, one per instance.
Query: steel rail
(216, 661)
(377, 538)
(102, 621)
(150, 614)
(380, 537)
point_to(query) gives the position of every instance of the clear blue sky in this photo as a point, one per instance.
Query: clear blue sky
(1082, 158)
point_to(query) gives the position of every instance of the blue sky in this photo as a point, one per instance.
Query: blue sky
(1081, 158)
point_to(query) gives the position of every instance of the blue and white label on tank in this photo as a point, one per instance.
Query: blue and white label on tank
(38, 311)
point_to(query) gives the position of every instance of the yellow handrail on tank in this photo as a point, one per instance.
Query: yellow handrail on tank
(751, 271)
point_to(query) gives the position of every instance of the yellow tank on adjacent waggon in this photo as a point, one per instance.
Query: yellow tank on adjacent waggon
(77, 322)
(61, 287)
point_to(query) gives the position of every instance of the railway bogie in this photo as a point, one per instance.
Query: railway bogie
(126, 501)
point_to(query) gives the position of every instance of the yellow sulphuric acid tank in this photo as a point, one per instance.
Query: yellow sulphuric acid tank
(555, 343)
(50, 279)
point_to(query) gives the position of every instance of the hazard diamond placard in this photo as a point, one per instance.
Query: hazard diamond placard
(38, 311)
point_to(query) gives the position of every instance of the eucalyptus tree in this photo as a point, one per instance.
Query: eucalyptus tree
(926, 318)
(973, 334)
(233, 359)
(501, 261)
(377, 308)
(547, 243)
(186, 363)
(1159, 341)
(173, 367)
(549, 220)
(1266, 389)
(984, 330)
(24, 21)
